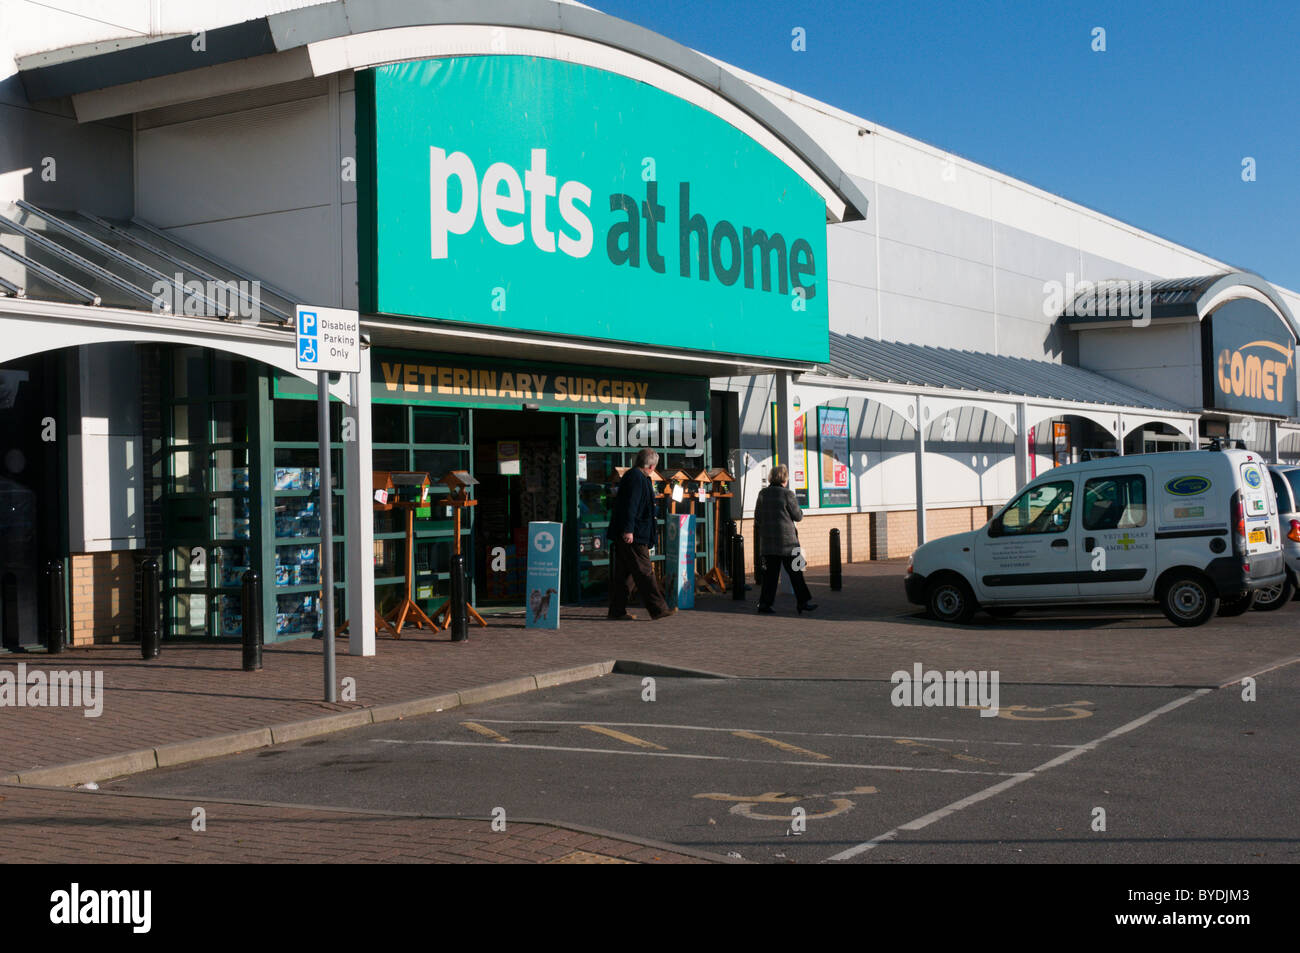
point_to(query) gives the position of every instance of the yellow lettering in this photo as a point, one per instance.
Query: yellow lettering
(539, 382)
(588, 389)
(561, 388)
(1225, 385)
(1238, 374)
(1268, 378)
(460, 380)
(616, 391)
(1254, 386)
(602, 391)
(508, 385)
(641, 388)
(392, 374)
(427, 373)
(488, 383)
(409, 383)
(444, 380)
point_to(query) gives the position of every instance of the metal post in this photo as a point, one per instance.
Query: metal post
(458, 617)
(326, 531)
(837, 577)
(250, 617)
(55, 606)
(151, 610)
(920, 424)
(738, 567)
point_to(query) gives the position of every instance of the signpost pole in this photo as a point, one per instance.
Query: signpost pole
(328, 340)
(326, 531)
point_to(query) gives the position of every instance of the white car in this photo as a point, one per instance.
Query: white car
(1195, 531)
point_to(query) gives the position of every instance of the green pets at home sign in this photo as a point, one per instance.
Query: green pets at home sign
(538, 195)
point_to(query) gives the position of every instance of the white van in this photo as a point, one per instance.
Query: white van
(1194, 530)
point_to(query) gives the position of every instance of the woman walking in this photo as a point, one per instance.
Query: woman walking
(775, 514)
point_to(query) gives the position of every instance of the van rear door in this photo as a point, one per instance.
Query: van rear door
(1259, 507)
(1118, 552)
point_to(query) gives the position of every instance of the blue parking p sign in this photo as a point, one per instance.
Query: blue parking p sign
(329, 339)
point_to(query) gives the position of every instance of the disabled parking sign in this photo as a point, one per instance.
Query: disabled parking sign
(329, 339)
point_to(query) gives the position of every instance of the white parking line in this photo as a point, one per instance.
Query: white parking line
(1074, 752)
(694, 757)
(776, 731)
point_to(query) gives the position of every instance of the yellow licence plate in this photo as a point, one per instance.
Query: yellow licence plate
(1259, 535)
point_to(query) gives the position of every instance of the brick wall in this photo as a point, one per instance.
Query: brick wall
(866, 536)
(102, 597)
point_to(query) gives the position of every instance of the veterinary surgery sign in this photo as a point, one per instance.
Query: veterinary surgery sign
(538, 195)
(1248, 359)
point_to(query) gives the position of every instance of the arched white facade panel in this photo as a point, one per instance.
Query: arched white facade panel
(362, 50)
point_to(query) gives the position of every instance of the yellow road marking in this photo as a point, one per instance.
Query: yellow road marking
(627, 739)
(484, 730)
(783, 745)
(951, 754)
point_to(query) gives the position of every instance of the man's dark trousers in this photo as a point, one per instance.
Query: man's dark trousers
(632, 564)
(772, 574)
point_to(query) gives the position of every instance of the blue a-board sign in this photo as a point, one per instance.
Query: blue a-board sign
(542, 598)
(679, 560)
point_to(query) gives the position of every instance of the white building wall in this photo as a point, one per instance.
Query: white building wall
(260, 180)
(954, 254)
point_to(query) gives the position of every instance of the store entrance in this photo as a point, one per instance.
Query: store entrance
(30, 475)
(519, 461)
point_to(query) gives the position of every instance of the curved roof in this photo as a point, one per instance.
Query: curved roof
(1175, 298)
(100, 66)
(918, 365)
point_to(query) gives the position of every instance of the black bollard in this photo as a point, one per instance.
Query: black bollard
(54, 606)
(150, 609)
(458, 614)
(738, 567)
(724, 557)
(250, 617)
(837, 571)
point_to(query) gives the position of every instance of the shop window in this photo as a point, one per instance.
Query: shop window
(388, 423)
(438, 426)
(208, 503)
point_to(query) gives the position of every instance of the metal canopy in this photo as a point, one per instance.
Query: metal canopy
(916, 365)
(79, 258)
(1171, 299)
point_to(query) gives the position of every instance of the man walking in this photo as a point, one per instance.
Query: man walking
(632, 530)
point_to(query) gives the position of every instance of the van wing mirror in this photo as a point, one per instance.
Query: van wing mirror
(995, 526)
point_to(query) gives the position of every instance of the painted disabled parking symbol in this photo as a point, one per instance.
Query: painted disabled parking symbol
(747, 805)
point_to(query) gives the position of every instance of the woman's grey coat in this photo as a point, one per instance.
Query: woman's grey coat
(775, 514)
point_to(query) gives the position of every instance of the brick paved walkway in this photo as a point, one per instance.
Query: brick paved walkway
(866, 631)
(65, 826)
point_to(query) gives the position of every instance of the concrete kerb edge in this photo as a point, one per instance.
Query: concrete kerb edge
(418, 815)
(200, 749)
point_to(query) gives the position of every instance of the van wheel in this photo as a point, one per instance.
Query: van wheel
(1189, 600)
(1275, 597)
(1242, 604)
(949, 599)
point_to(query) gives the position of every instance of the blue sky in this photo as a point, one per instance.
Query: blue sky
(1153, 131)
